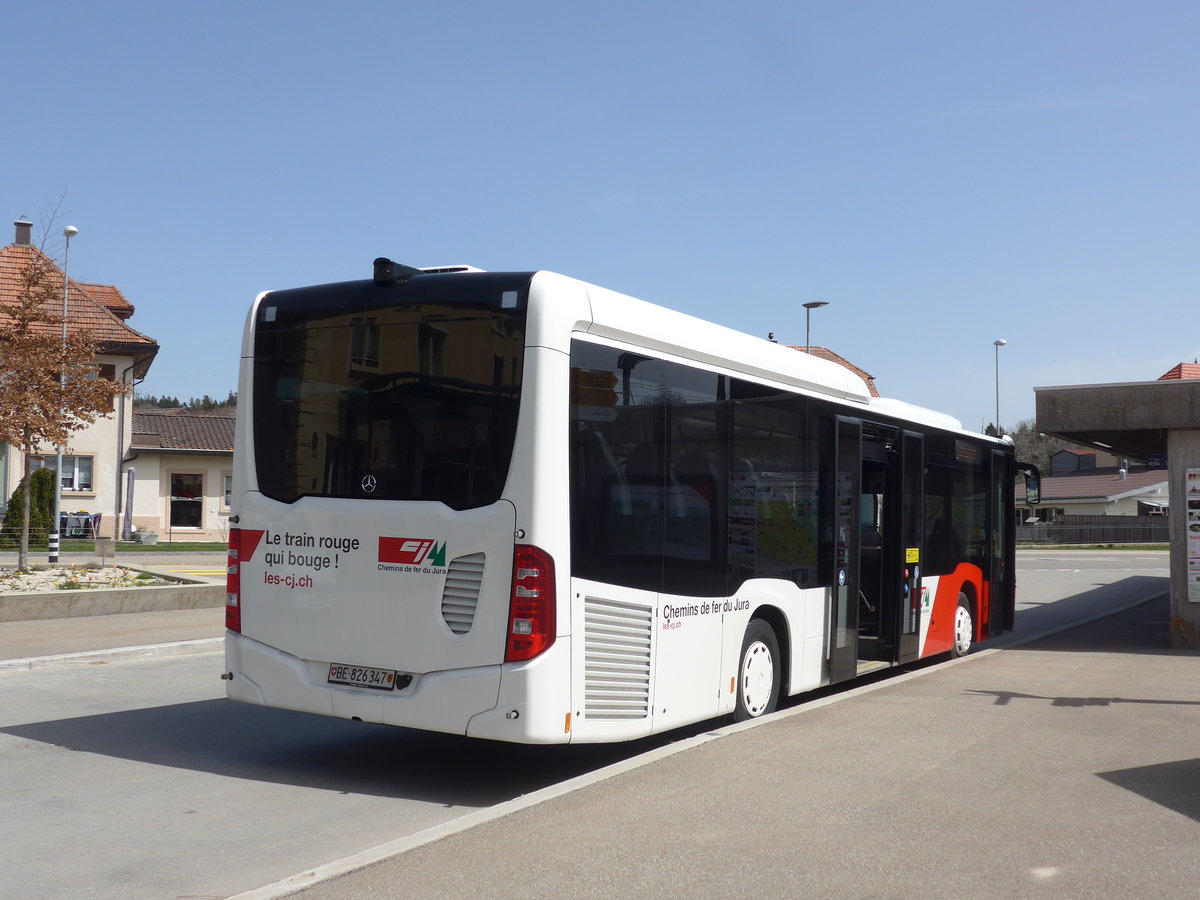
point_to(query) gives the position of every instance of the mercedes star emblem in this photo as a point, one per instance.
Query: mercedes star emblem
(368, 483)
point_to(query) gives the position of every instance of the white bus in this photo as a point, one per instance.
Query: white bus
(521, 507)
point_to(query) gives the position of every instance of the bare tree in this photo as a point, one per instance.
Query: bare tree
(1034, 447)
(40, 407)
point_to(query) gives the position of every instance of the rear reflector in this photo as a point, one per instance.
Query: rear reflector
(531, 612)
(233, 583)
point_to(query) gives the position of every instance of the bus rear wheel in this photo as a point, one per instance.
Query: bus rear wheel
(964, 628)
(759, 675)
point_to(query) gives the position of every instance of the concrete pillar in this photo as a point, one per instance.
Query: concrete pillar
(1183, 453)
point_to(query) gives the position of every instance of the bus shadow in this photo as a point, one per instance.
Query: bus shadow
(1143, 628)
(277, 746)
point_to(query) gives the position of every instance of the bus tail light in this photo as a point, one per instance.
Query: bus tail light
(233, 583)
(531, 612)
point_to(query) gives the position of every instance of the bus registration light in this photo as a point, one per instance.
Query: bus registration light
(531, 618)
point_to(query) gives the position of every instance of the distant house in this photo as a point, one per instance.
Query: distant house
(182, 465)
(91, 475)
(1071, 462)
(1099, 492)
(1076, 486)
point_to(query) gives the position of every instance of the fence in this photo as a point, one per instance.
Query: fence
(1097, 530)
(71, 528)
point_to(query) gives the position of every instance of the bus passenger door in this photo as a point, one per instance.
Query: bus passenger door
(1001, 558)
(912, 531)
(846, 475)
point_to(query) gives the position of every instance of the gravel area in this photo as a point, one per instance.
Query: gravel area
(73, 578)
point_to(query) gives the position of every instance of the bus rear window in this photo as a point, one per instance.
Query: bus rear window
(412, 400)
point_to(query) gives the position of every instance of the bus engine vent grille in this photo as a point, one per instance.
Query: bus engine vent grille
(460, 596)
(616, 645)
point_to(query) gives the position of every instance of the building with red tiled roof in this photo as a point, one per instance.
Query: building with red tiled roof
(102, 314)
(92, 470)
(826, 353)
(1182, 372)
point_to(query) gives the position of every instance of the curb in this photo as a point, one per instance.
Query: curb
(93, 657)
(181, 593)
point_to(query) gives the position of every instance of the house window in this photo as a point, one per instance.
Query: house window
(431, 350)
(364, 342)
(187, 500)
(228, 495)
(109, 373)
(77, 470)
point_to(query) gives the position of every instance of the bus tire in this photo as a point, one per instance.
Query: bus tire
(759, 675)
(964, 628)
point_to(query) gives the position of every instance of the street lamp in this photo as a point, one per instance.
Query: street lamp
(998, 344)
(69, 232)
(808, 308)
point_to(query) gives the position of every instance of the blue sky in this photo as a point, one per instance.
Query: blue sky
(943, 174)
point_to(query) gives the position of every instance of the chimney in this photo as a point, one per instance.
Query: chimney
(24, 230)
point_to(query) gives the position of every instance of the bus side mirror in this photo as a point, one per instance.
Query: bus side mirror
(1033, 483)
(1033, 489)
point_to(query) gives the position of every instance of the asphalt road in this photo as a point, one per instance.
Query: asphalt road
(138, 779)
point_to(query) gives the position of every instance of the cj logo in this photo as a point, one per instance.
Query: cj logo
(368, 484)
(412, 551)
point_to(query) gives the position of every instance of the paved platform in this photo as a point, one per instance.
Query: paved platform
(31, 642)
(1065, 767)
(40, 638)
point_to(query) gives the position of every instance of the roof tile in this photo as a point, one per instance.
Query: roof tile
(827, 354)
(84, 311)
(112, 298)
(177, 430)
(1182, 372)
(1105, 483)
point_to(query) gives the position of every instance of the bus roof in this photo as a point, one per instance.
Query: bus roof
(626, 318)
(621, 317)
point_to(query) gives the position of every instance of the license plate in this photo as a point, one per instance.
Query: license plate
(362, 676)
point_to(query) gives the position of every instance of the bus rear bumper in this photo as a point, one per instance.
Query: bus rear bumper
(438, 701)
(534, 701)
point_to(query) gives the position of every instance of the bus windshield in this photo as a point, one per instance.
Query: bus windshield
(394, 393)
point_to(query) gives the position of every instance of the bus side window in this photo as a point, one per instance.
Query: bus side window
(939, 534)
(600, 498)
(689, 564)
(693, 470)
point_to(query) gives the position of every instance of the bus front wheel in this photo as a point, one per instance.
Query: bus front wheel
(759, 675)
(964, 628)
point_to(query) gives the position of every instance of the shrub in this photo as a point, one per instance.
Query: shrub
(41, 510)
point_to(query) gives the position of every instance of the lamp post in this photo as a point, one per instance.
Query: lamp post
(69, 232)
(808, 308)
(998, 344)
